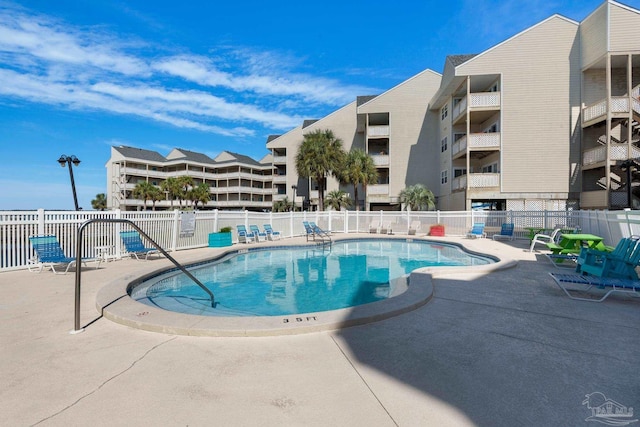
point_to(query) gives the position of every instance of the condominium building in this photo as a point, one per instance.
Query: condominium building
(548, 119)
(235, 181)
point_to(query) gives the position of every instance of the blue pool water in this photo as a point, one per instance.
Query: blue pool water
(296, 280)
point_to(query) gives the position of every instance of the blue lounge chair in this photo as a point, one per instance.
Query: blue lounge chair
(477, 231)
(587, 283)
(308, 230)
(506, 232)
(245, 236)
(50, 254)
(271, 234)
(260, 236)
(134, 246)
(317, 230)
(620, 263)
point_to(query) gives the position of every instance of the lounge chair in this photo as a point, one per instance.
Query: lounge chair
(245, 236)
(414, 227)
(374, 226)
(546, 238)
(506, 232)
(620, 263)
(587, 283)
(50, 254)
(477, 231)
(260, 236)
(134, 246)
(385, 228)
(308, 230)
(271, 234)
(317, 231)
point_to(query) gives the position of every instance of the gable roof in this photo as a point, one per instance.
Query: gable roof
(139, 153)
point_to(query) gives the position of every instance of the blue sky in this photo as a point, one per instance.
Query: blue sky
(79, 77)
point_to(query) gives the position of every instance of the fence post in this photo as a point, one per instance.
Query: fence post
(291, 214)
(215, 220)
(176, 228)
(329, 220)
(246, 219)
(40, 222)
(346, 222)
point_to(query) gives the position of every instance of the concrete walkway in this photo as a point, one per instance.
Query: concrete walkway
(500, 349)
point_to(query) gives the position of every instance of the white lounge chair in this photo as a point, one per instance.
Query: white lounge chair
(546, 238)
(414, 227)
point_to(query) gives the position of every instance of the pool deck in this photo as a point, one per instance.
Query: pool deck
(499, 348)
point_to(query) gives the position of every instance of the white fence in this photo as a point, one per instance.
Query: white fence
(164, 226)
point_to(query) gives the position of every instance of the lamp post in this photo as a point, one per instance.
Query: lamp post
(294, 187)
(71, 160)
(628, 166)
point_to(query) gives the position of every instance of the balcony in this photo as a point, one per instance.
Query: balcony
(618, 106)
(377, 131)
(597, 155)
(380, 159)
(378, 190)
(477, 141)
(279, 179)
(476, 180)
(280, 159)
(477, 101)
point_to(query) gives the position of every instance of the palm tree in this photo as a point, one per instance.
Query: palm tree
(184, 184)
(100, 202)
(144, 190)
(359, 169)
(283, 205)
(320, 154)
(417, 197)
(171, 187)
(338, 199)
(200, 194)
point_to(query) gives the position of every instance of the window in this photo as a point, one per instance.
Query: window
(494, 87)
(443, 177)
(459, 172)
(444, 112)
(491, 129)
(443, 145)
(492, 168)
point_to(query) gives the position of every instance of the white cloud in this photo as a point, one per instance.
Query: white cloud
(43, 60)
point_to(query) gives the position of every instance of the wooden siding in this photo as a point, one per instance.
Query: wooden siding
(540, 84)
(411, 131)
(625, 29)
(593, 35)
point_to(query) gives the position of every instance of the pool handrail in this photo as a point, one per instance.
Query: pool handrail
(77, 327)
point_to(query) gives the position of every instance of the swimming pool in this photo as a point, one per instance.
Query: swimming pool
(295, 280)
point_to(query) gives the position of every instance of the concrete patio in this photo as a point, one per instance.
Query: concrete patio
(501, 349)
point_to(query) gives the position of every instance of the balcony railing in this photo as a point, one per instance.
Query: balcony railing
(279, 159)
(617, 105)
(378, 130)
(478, 141)
(279, 179)
(477, 100)
(476, 180)
(616, 152)
(380, 159)
(378, 190)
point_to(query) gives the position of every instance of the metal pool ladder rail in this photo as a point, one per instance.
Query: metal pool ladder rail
(77, 327)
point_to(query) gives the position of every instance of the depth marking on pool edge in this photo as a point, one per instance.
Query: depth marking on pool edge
(299, 319)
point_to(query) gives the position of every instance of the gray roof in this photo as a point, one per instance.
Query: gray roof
(364, 99)
(308, 122)
(195, 157)
(460, 59)
(242, 159)
(139, 153)
(272, 137)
